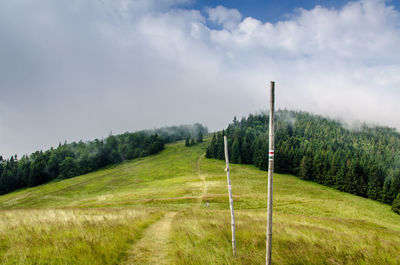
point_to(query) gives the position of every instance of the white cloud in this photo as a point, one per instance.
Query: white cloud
(229, 18)
(339, 62)
(78, 69)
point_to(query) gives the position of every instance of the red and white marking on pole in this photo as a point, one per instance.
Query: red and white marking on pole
(271, 154)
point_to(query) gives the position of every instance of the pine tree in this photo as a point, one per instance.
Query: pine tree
(235, 157)
(247, 151)
(360, 183)
(210, 153)
(396, 183)
(318, 171)
(213, 146)
(220, 146)
(396, 204)
(350, 184)
(374, 183)
(260, 154)
(200, 137)
(305, 168)
(338, 179)
(388, 192)
(264, 154)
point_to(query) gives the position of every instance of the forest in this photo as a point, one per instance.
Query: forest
(364, 160)
(77, 158)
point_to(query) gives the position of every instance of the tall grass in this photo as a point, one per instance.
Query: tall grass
(203, 237)
(98, 218)
(56, 236)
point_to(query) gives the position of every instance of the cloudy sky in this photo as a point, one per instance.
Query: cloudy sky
(72, 70)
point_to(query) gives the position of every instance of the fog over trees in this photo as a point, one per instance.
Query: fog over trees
(364, 161)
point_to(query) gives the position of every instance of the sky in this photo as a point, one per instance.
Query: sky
(78, 70)
(267, 11)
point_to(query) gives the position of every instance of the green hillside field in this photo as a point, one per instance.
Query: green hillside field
(151, 211)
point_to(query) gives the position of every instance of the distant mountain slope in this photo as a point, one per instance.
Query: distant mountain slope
(129, 183)
(153, 207)
(70, 160)
(363, 160)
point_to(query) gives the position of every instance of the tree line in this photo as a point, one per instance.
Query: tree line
(181, 132)
(190, 140)
(77, 158)
(364, 160)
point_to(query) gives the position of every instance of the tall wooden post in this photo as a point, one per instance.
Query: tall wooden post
(228, 176)
(270, 172)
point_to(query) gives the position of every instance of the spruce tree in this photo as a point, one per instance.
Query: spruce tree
(210, 153)
(387, 192)
(350, 184)
(220, 145)
(396, 204)
(200, 137)
(360, 183)
(235, 157)
(374, 183)
(258, 152)
(305, 168)
(318, 171)
(213, 146)
(338, 179)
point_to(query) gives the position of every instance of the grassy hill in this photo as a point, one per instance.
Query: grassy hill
(151, 211)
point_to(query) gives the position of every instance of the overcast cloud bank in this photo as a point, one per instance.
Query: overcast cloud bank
(72, 70)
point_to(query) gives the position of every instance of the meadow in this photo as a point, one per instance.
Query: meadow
(151, 211)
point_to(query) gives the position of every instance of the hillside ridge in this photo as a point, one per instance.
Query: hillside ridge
(108, 212)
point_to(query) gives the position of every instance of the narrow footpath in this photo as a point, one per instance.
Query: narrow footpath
(153, 247)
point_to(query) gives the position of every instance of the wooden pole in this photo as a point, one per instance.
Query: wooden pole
(228, 176)
(270, 172)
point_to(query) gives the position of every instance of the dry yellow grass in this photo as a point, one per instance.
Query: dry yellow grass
(70, 236)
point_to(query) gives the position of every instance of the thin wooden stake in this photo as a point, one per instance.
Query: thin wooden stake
(270, 172)
(228, 176)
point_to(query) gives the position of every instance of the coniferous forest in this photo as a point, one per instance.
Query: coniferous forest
(77, 158)
(364, 160)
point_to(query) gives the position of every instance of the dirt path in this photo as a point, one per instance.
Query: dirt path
(203, 180)
(153, 247)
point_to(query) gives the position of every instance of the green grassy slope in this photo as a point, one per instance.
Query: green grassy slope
(111, 216)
